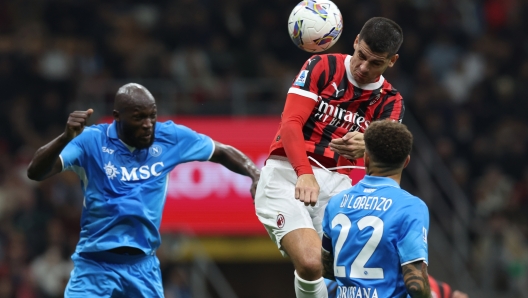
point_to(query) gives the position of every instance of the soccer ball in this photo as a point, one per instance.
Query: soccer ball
(315, 25)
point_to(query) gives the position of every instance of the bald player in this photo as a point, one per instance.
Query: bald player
(124, 169)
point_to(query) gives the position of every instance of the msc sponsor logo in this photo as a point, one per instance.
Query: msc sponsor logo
(133, 174)
(141, 173)
(110, 170)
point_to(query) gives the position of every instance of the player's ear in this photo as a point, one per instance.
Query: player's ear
(407, 160)
(116, 115)
(393, 60)
(356, 42)
(366, 159)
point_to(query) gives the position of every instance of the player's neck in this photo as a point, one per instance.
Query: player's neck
(131, 148)
(394, 176)
(123, 140)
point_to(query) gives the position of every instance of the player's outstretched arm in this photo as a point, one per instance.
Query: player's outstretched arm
(45, 162)
(237, 162)
(416, 279)
(328, 264)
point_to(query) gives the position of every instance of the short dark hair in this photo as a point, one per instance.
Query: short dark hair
(382, 35)
(388, 143)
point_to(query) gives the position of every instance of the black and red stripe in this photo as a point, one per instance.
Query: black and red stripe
(341, 106)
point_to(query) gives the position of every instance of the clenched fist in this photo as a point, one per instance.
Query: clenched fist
(76, 122)
(307, 189)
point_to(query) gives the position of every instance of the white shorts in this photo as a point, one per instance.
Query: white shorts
(276, 206)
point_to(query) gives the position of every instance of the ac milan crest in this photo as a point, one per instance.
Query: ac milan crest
(280, 221)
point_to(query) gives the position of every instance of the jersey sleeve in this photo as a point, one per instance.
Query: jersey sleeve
(193, 146)
(393, 108)
(412, 243)
(311, 79)
(74, 153)
(296, 112)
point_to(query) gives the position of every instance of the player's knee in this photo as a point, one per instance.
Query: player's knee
(309, 268)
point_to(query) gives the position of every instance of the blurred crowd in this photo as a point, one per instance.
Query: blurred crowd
(462, 71)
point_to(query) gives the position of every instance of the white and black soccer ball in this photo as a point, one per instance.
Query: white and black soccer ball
(315, 25)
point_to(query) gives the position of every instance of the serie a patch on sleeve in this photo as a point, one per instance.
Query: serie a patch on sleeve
(301, 79)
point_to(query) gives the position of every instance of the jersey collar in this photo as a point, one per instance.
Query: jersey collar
(111, 132)
(370, 86)
(376, 181)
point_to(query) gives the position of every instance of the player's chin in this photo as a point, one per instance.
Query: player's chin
(143, 143)
(361, 78)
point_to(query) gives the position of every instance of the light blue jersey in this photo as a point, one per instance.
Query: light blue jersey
(372, 229)
(125, 188)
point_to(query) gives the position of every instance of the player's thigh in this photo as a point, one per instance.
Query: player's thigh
(303, 246)
(276, 206)
(143, 279)
(331, 183)
(92, 279)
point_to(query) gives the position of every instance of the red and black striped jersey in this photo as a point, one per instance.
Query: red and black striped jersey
(439, 289)
(341, 104)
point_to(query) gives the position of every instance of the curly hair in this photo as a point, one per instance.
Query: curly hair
(382, 35)
(388, 143)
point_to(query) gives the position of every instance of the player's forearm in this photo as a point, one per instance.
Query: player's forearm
(416, 280)
(296, 112)
(328, 264)
(235, 161)
(422, 293)
(293, 142)
(45, 158)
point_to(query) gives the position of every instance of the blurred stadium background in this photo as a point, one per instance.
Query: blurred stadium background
(223, 68)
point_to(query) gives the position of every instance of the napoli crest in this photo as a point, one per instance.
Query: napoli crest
(155, 150)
